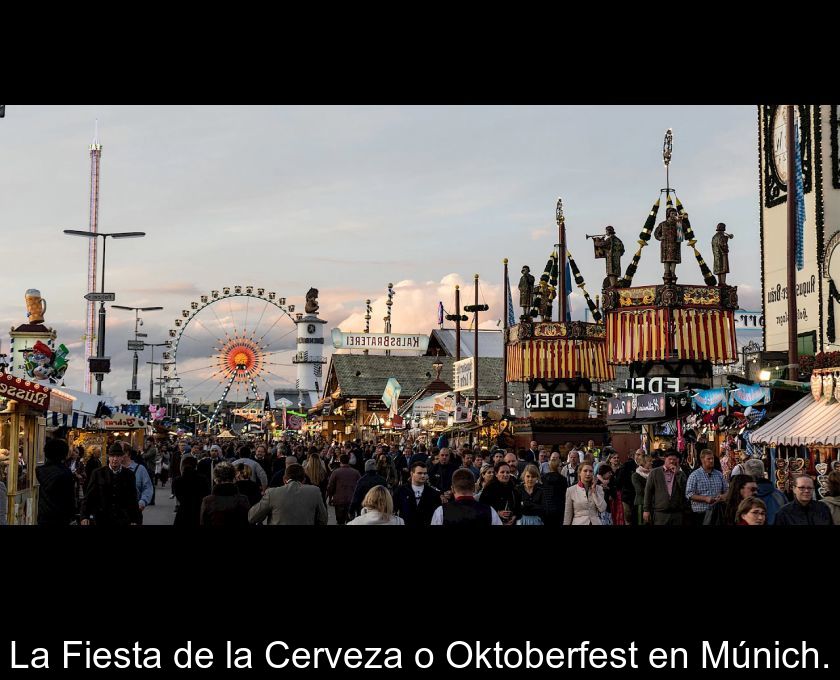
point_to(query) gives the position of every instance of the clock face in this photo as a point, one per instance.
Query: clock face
(310, 328)
(780, 141)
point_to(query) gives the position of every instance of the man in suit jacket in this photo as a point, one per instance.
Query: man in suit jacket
(665, 493)
(111, 498)
(292, 503)
(417, 501)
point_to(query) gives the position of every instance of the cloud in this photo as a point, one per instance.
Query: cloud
(539, 234)
(415, 307)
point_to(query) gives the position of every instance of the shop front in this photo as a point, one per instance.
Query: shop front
(23, 428)
(805, 438)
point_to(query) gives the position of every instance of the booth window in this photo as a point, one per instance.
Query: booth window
(807, 343)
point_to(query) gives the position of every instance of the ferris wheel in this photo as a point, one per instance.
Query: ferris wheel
(227, 346)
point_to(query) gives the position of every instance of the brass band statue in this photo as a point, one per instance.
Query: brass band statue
(615, 249)
(526, 293)
(720, 251)
(667, 233)
(546, 299)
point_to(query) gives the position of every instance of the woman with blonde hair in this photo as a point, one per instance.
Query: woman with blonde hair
(377, 508)
(316, 471)
(484, 477)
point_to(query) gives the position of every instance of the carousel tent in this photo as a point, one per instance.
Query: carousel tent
(806, 423)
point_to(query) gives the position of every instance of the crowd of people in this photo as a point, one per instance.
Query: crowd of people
(294, 483)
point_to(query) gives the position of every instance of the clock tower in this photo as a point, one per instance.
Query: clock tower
(817, 300)
(309, 357)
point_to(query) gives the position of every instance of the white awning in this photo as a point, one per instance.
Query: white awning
(807, 422)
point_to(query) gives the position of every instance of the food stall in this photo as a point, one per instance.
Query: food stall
(23, 430)
(805, 438)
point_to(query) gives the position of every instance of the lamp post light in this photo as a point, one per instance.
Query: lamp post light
(152, 367)
(137, 344)
(100, 340)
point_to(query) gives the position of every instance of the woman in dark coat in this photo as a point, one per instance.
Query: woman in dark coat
(501, 495)
(531, 496)
(190, 488)
(723, 513)
(225, 507)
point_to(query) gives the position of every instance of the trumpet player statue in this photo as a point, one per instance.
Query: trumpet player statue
(668, 233)
(614, 251)
(720, 251)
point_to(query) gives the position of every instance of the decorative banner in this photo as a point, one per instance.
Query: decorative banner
(709, 399)
(464, 372)
(837, 388)
(25, 392)
(816, 386)
(391, 395)
(749, 395)
(393, 341)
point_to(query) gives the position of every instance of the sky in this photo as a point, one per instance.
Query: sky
(347, 199)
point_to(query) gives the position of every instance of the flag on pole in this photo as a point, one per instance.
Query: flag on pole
(511, 315)
(799, 197)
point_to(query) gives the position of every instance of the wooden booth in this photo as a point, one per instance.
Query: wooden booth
(23, 430)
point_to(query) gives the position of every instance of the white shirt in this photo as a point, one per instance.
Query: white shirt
(418, 492)
(437, 518)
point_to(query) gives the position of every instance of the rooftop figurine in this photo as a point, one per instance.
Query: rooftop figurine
(720, 251)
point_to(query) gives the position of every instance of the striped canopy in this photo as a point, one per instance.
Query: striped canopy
(558, 358)
(656, 334)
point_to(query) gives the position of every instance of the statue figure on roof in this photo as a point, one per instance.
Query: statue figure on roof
(546, 298)
(526, 292)
(720, 251)
(614, 251)
(312, 301)
(669, 234)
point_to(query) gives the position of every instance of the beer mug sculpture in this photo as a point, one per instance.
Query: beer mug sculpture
(36, 306)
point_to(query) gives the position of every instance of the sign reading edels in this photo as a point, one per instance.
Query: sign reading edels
(550, 401)
(656, 385)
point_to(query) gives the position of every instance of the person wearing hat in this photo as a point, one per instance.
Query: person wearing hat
(57, 492)
(366, 482)
(111, 496)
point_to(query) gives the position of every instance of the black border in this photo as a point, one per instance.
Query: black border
(775, 191)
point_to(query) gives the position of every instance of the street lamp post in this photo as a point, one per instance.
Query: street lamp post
(152, 368)
(100, 340)
(137, 322)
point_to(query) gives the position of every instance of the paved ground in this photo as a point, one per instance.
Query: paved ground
(163, 511)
